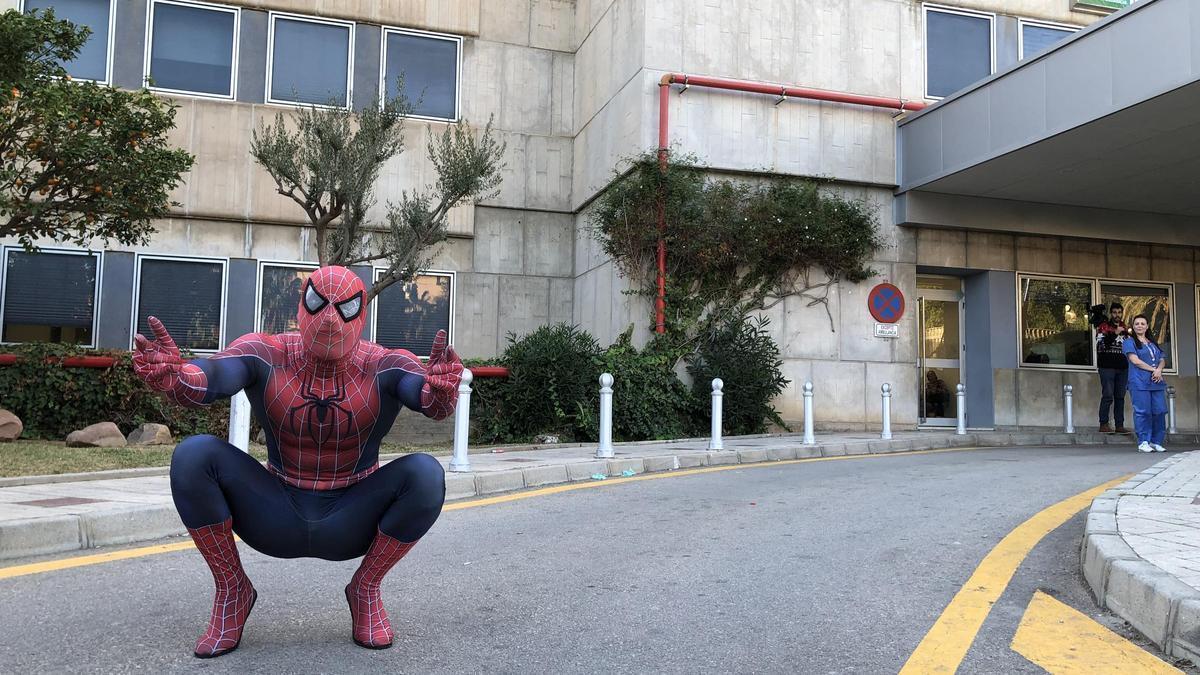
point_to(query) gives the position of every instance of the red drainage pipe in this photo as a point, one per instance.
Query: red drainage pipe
(782, 91)
(109, 362)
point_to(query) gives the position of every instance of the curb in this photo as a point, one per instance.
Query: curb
(1157, 604)
(70, 532)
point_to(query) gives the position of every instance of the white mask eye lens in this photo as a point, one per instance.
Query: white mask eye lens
(313, 301)
(350, 308)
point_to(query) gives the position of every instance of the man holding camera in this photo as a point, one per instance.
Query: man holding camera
(1113, 366)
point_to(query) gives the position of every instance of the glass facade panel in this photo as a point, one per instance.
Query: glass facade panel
(192, 49)
(309, 62)
(1054, 322)
(958, 51)
(1036, 38)
(429, 67)
(409, 315)
(281, 288)
(186, 296)
(92, 61)
(1153, 301)
(49, 297)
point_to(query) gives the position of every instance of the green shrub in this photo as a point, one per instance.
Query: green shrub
(743, 355)
(551, 371)
(649, 401)
(52, 401)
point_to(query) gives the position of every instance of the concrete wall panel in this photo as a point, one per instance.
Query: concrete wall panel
(477, 316)
(838, 391)
(524, 304)
(1039, 397)
(1084, 257)
(547, 243)
(986, 250)
(941, 248)
(1039, 254)
(905, 395)
(499, 241)
(1171, 263)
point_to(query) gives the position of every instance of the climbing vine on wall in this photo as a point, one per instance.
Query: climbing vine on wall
(734, 247)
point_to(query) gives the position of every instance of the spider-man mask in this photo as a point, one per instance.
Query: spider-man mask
(332, 311)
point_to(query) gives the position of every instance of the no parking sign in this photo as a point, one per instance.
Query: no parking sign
(886, 303)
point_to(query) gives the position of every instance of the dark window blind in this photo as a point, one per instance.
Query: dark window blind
(50, 289)
(410, 315)
(429, 67)
(186, 297)
(193, 49)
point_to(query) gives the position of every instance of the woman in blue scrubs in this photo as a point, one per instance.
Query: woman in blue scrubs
(1146, 386)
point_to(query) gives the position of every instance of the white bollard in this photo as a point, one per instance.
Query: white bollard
(1068, 414)
(239, 421)
(718, 387)
(886, 395)
(605, 450)
(961, 397)
(809, 439)
(461, 460)
(1171, 410)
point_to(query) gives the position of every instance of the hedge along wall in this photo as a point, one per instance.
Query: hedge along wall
(53, 400)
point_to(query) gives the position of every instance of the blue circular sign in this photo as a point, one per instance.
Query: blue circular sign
(886, 303)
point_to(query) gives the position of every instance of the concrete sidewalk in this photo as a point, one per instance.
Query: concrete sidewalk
(1141, 553)
(53, 514)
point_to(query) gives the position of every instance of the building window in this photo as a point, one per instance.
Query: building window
(1153, 300)
(1054, 324)
(408, 316)
(92, 61)
(279, 287)
(187, 295)
(310, 61)
(50, 296)
(428, 65)
(958, 50)
(192, 48)
(1036, 37)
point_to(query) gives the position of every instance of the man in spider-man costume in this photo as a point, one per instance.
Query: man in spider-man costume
(325, 399)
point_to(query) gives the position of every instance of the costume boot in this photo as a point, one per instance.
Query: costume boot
(235, 595)
(371, 626)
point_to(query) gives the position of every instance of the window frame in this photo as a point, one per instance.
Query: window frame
(1097, 283)
(109, 48)
(926, 8)
(458, 70)
(1022, 22)
(1174, 369)
(137, 289)
(237, 32)
(258, 283)
(97, 295)
(351, 27)
(453, 275)
(1093, 283)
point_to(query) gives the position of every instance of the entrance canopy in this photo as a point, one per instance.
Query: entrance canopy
(1107, 119)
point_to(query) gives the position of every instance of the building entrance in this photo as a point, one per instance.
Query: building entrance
(940, 347)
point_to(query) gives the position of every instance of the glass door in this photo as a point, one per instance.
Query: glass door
(939, 345)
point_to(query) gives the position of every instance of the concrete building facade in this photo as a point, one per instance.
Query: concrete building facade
(573, 89)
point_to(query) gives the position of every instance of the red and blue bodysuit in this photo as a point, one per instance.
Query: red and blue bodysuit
(325, 398)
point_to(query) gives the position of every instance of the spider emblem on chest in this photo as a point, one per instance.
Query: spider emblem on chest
(316, 416)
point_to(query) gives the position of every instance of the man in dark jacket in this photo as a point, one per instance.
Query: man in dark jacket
(1113, 367)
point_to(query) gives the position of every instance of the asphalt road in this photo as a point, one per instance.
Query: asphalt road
(823, 567)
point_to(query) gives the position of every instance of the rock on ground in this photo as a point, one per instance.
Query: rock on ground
(10, 426)
(151, 434)
(102, 435)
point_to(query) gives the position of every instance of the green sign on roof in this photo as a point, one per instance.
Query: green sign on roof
(1086, 5)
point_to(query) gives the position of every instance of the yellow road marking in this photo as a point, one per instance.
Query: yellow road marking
(947, 642)
(81, 561)
(1064, 641)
